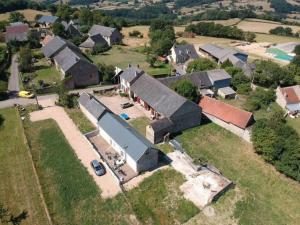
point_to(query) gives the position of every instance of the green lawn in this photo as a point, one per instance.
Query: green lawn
(121, 57)
(261, 196)
(295, 123)
(73, 197)
(140, 124)
(45, 72)
(83, 124)
(18, 186)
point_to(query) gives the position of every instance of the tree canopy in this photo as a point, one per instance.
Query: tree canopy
(25, 59)
(186, 89)
(270, 74)
(278, 143)
(201, 64)
(162, 37)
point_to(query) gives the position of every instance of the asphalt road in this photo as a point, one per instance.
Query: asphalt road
(25, 101)
(13, 82)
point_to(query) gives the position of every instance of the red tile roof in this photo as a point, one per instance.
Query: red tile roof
(17, 29)
(226, 112)
(290, 95)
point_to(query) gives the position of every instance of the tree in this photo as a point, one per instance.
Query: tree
(297, 50)
(296, 60)
(59, 29)
(25, 59)
(99, 48)
(259, 98)
(107, 72)
(270, 74)
(64, 11)
(33, 39)
(65, 99)
(201, 64)
(162, 37)
(186, 89)
(249, 36)
(151, 60)
(226, 64)
(1, 120)
(16, 17)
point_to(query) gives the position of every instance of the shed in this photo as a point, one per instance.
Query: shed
(226, 92)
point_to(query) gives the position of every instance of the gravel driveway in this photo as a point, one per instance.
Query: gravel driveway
(83, 149)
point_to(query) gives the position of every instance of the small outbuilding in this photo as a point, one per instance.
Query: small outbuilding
(226, 92)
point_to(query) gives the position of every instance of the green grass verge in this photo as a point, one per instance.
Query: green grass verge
(140, 124)
(83, 124)
(18, 186)
(267, 197)
(121, 56)
(73, 197)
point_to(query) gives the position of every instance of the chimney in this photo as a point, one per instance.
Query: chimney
(129, 65)
(138, 65)
(135, 73)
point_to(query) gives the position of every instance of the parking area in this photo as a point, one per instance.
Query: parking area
(83, 149)
(114, 102)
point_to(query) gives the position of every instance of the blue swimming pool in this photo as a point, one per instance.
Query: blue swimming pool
(279, 54)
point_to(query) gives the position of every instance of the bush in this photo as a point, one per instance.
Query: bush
(98, 48)
(260, 98)
(186, 89)
(278, 143)
(136, 33)
(201, 64)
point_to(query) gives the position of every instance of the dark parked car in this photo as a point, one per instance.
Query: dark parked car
(98, 168)
(126, 105)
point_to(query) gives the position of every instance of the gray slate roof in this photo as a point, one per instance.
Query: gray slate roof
(47, 19)
(203, 79)
(130, 73)
(217, 75)
(124, 135)
(91, 41)
(161, 98)
(92, 105)
(67, 58)
(57, 44)
(104, 31)
(185, 52)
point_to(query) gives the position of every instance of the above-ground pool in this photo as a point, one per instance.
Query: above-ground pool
(279, 54)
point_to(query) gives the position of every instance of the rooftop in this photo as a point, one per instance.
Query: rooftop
(47, 19)
(104, 31)
(226, 112)
(291, 94)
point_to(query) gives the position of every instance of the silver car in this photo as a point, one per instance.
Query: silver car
(98, 168)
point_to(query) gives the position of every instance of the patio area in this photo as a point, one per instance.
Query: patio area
(122, 170)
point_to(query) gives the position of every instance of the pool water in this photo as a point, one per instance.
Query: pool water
(279, 54)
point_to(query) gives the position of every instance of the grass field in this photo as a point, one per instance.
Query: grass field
(28, 13)
(121, 57)
(46, 72)
(261, 195)
(261, 26)
(83, 124)
(18, 189)
(73, 197)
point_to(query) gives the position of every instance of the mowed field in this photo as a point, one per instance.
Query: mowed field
(73, 197)
(261, 195)
(28, 13)
(18, 186)
(262, 26)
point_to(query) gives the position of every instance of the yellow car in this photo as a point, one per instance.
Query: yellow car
(25, 94)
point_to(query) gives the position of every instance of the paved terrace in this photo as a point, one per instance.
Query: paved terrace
(124, 173)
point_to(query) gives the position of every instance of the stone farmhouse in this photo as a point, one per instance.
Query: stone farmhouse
(75, 68)
(289, 99)
(171, 112)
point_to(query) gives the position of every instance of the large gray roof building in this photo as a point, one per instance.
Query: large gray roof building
(183, 53)
(56, 45)
(139, 152)
(237, 58)
(111, 35)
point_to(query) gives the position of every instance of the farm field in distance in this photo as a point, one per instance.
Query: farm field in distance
(19, 188)
(261, 195)
(29, 14)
